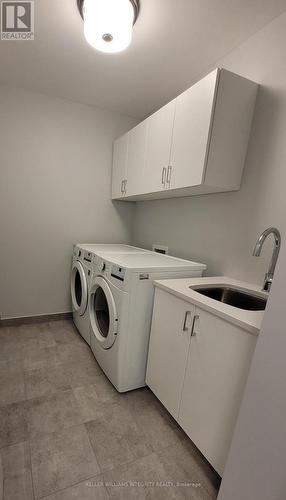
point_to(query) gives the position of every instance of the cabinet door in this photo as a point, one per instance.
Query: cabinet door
(219, 359)
(158, 148)
(192, 127)
(168, 348)
(136, 159)
(119, 171)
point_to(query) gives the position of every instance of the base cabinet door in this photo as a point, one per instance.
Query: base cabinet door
(217, 368)
(168, 349)
(119, 169)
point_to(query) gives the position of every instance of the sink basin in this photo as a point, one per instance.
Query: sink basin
(233, 297)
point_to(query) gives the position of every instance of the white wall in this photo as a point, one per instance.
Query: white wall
(221, 229)
(255, 469)
(55, 176)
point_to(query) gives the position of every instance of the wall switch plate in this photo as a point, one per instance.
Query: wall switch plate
(160, 249)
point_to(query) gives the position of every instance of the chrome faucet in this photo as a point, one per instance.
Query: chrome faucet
(257, 251)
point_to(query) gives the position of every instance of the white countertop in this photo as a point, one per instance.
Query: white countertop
(248, 320)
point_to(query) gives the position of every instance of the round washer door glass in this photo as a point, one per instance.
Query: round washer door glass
(79, 290)
(103, 315)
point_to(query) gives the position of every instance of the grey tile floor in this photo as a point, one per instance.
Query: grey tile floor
(66, 434)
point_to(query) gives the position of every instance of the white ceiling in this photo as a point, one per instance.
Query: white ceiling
(174, 42)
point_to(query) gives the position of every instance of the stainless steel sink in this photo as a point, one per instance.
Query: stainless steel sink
(233, 297)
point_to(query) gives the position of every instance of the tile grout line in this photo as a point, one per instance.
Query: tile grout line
(82, 424)
(95, 456)
(134, 459)
(32, 477)
(129, 462)
(28, 434)
(70, 486)
(30, 460)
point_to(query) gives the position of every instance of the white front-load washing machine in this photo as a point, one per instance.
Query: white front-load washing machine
(120, 310)
(82, 269)
(81, 276)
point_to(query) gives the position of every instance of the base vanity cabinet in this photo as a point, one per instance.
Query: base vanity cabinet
(216, 372)
(168, 351)
(197, 367)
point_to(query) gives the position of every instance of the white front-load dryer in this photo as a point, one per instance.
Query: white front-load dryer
(81, 276)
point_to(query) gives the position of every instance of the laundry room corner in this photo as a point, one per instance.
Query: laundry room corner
(56, 160)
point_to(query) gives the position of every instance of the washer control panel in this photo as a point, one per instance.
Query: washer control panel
(107, 269)
(101, 266)
(118, 272)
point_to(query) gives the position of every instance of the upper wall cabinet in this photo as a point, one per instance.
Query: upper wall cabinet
(158, 149)
(119, 173)
(129, 162)
(196, 144)
(193, 120)
(136, 159)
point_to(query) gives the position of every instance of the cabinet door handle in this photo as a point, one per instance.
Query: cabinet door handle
(193, 333)
(122, 189)
(125, 184)
(163, 179)
(169, 174)
(185, 328)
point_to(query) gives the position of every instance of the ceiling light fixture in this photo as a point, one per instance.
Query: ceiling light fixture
(108, 23)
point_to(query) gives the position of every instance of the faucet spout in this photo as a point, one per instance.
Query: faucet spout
(257, 251)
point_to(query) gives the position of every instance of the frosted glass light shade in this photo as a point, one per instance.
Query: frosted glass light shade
(108, 24)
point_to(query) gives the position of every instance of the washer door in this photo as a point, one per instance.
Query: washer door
(102, 313)
(79, 289)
